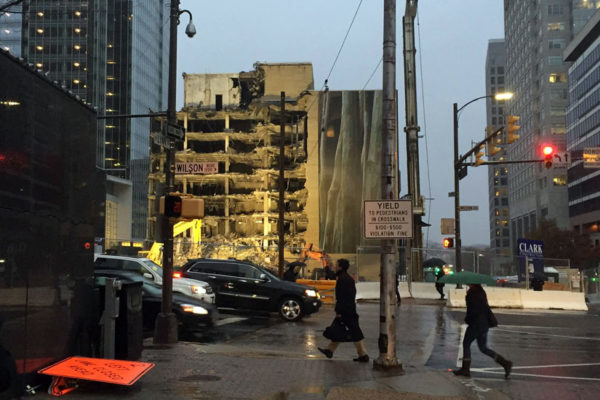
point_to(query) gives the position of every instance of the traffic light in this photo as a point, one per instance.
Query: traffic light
(548, 152)
(478, 154)
(490, 148)
(170, 206)
(448, 243)
(512, 128)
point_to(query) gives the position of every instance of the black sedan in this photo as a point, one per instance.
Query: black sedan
(192, 314)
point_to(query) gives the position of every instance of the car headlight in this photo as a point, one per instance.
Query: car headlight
(194, 309)
(311, 293)
(198, 289)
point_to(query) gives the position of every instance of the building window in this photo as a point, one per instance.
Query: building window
(500, 70)
(219, 102)
(555, 60)
(560, 180)
(556, 26)
(556, 43)
(557, 78)
(555, 9)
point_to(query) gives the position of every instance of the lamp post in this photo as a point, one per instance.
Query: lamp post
(459, 169)
(165, 330)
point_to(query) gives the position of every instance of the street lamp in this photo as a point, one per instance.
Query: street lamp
(460, 170)
(165, 330)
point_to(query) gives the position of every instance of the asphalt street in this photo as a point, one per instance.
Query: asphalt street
(556, 354)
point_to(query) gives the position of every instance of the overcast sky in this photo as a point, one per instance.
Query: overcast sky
(452, 38)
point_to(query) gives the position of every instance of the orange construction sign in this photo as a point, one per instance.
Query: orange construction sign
(120, 372)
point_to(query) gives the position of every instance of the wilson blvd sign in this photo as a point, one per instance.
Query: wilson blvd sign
(196, 168)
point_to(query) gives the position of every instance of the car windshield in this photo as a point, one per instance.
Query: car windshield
(153, 266)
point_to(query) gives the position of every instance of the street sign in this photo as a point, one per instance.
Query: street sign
(462, 172)
(448, 226)
(388, 219)
(173, 131)
(561, 160)
(197, 168)
(591, 157)
(161, 140)
(450, 194)
(469, 208)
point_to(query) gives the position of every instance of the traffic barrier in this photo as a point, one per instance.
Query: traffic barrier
(553, 299)
(418, 290)
(525, 299)
(367, 291)
(326, 288)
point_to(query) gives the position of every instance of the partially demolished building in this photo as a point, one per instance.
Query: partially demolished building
(234, 120)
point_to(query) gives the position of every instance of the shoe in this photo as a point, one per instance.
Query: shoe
(328, 353)
(507, 365)
(443, 297)
(465, 369)
(364, 358)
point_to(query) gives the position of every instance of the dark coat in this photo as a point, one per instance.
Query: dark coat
(478, 309)
(345, 304)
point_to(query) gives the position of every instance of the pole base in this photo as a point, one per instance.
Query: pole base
(165, 329)
(382, 363)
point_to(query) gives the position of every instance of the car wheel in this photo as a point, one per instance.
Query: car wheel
(291, 309)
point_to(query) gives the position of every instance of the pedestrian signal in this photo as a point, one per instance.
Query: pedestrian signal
(448, 242)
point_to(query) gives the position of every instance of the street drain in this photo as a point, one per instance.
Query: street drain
(195, 378)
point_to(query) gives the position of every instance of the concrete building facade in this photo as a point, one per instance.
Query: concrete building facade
(537, 33)
(495, 82)
(583, 128)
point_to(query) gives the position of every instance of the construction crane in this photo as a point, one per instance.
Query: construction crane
(413, 261)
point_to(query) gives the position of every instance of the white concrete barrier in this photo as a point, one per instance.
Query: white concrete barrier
(525, 299)
(419, 290)
(553, 299)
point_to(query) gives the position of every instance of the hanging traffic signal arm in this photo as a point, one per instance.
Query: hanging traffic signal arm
(477, 149)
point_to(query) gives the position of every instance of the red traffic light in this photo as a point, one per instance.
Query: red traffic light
(448, 242)
(547, 150)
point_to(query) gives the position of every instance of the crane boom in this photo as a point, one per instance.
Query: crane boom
(412, 138)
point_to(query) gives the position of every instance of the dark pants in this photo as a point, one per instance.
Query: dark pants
(440, 288)
(481, 337)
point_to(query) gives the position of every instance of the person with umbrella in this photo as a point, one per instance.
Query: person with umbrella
(479, 319)
(439, 274)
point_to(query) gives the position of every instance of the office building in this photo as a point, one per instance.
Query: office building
(495, 65)
(537, 33)
(10, 28)
(583, 129)
(112, 54)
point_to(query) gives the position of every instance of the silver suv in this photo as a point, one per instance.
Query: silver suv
(150, 270)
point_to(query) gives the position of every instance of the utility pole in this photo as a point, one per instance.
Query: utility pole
(281, 203)
(166, 322)
(457, 240)
(413, 261)
(387, 305)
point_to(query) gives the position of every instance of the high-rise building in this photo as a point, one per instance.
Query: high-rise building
(497, 174)
(10, 28)
(537, 33)
(113, 54)
(583, 128)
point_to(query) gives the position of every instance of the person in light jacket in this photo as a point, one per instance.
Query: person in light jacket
(479, 319)
(345, 309)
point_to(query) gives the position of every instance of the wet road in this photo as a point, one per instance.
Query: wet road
(556, 353)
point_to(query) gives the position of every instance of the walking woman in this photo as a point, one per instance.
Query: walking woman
(345, 309)
(479, 319)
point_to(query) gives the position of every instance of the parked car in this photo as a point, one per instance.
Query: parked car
(154, 272)
(242, 285)
(192, 314)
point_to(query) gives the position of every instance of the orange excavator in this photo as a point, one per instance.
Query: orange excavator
(309, 252)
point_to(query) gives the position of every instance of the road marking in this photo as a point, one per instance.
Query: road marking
(549, 334)
(542, 366)
(484, 370)
(229, 320)
(459, 356)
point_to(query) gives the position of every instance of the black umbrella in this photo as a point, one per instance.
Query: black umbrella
(434, 262)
